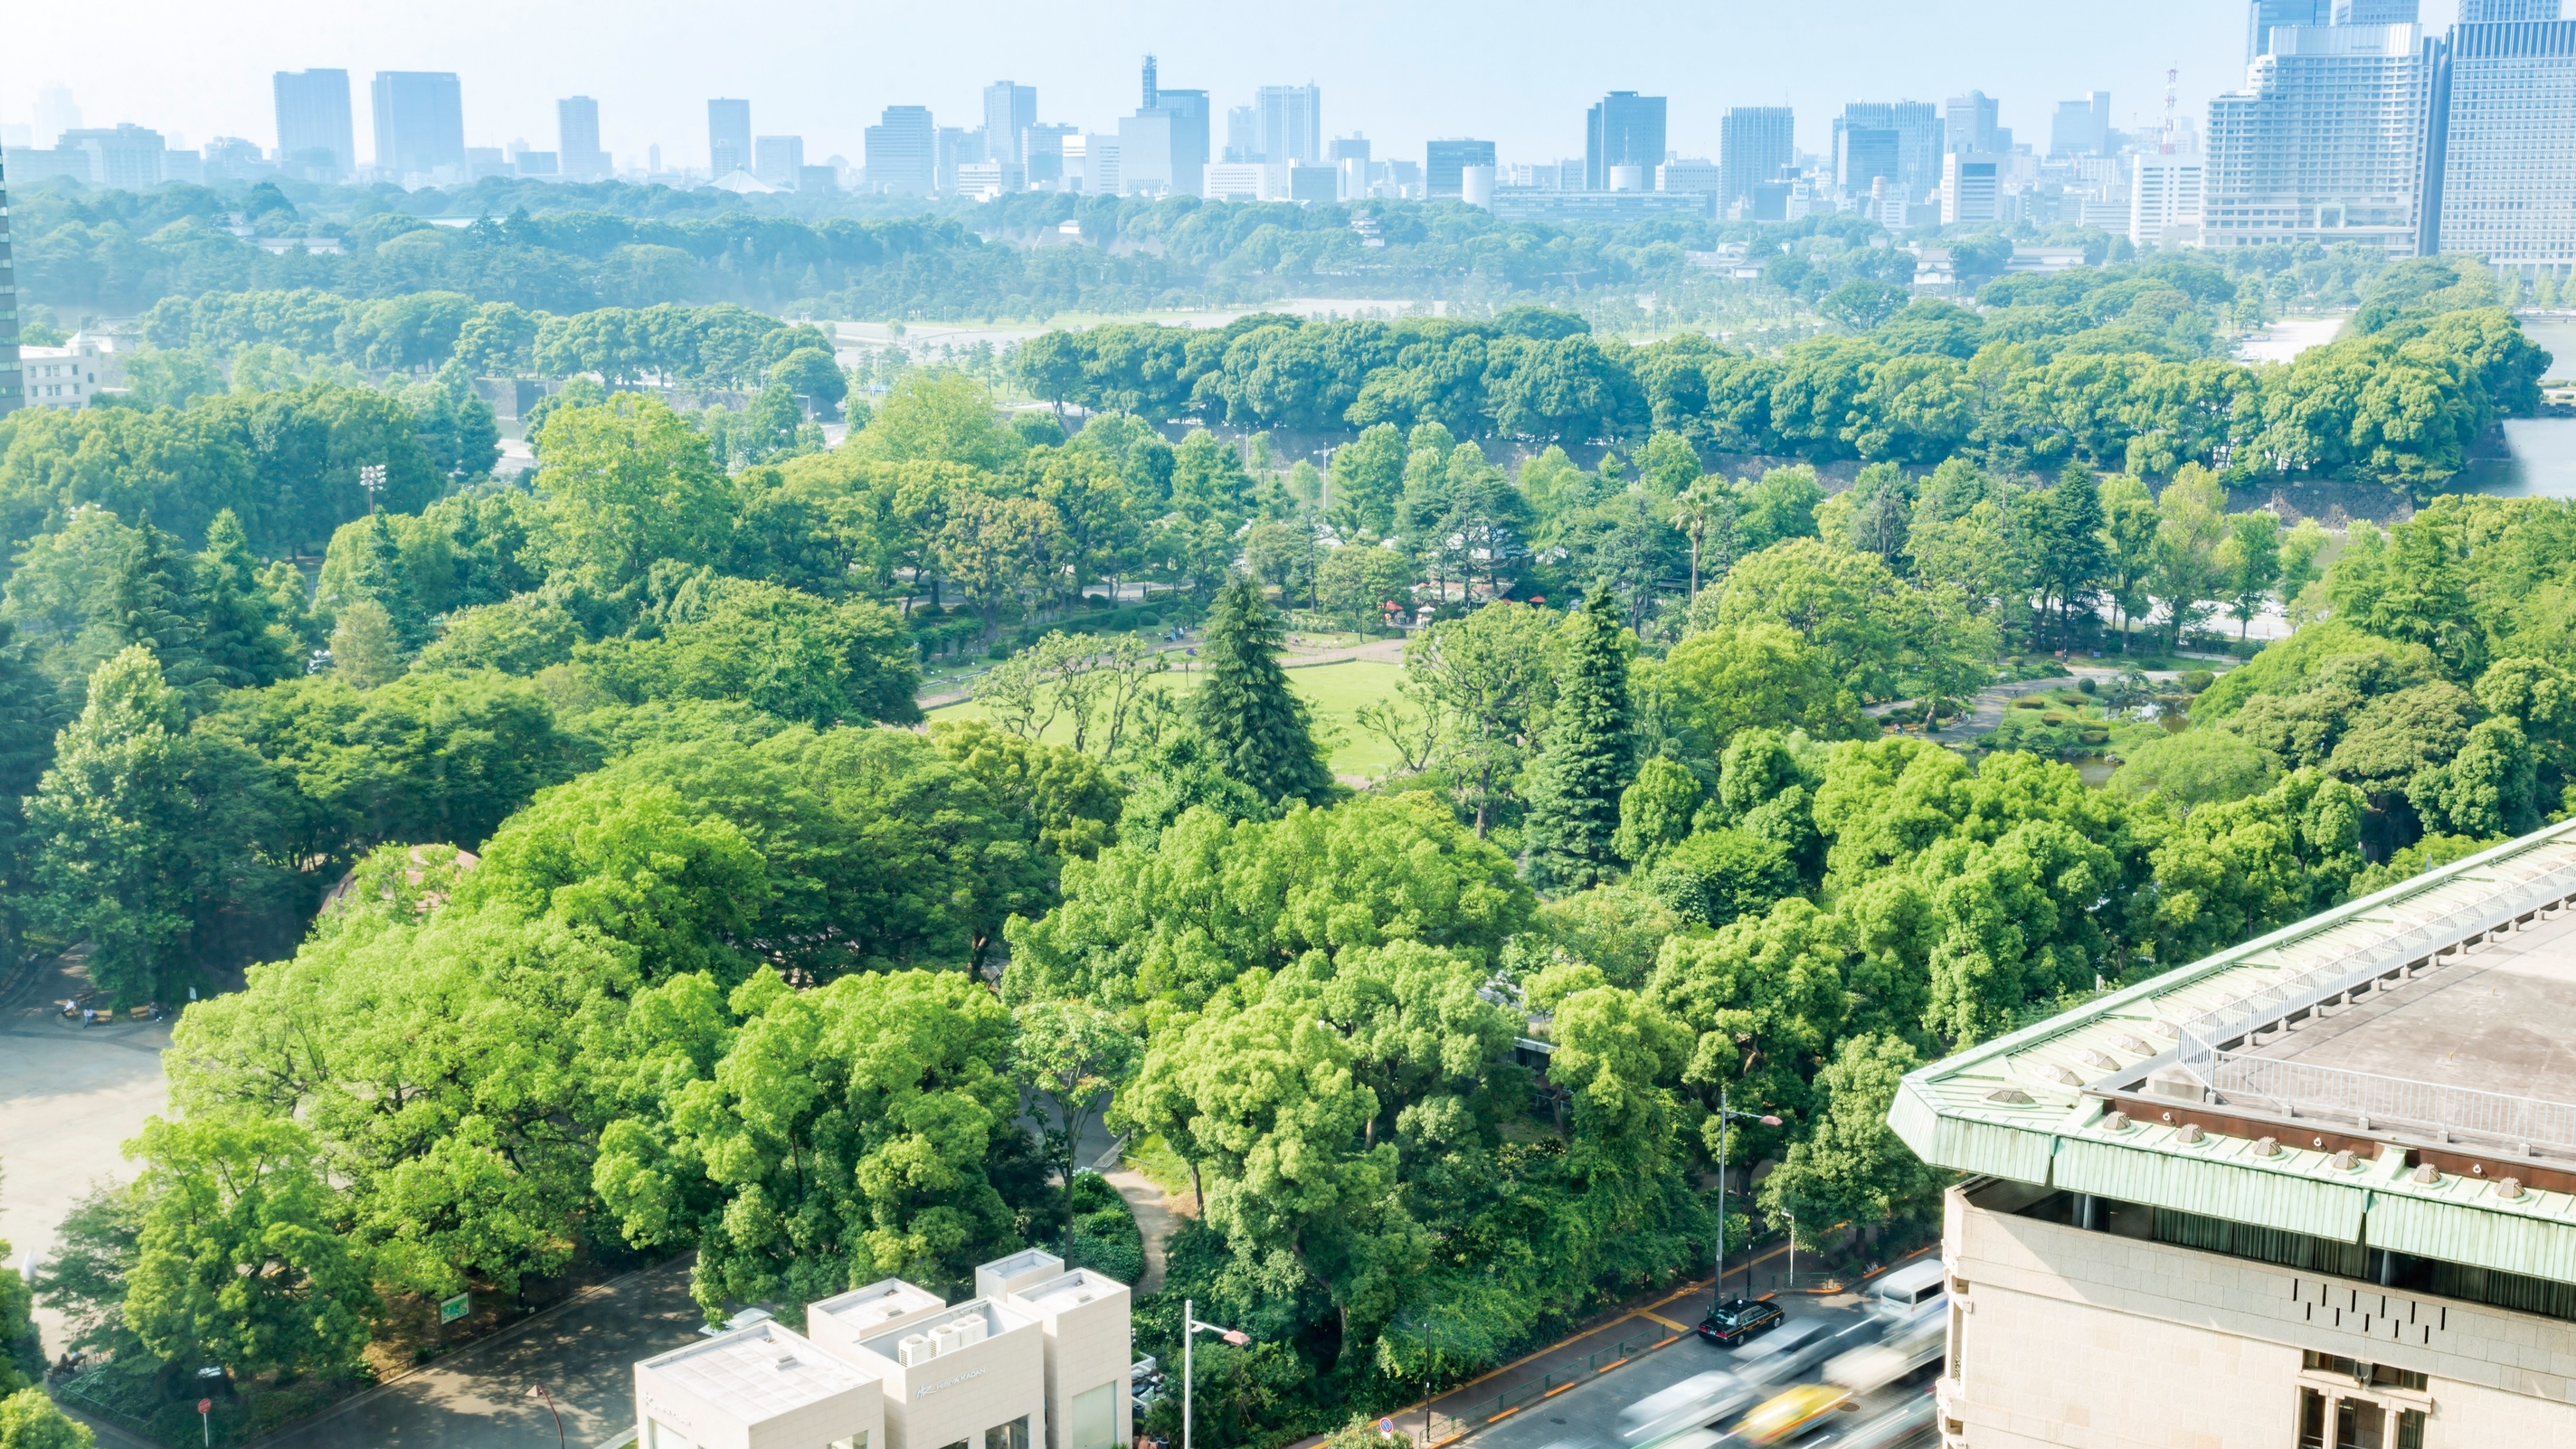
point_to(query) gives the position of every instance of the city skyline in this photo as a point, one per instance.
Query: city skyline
(1413, 82)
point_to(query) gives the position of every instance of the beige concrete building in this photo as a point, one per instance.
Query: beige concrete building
(1039, 1356)
(2316, 1191)
(760, 1387)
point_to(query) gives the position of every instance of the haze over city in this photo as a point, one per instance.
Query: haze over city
(1517, 73)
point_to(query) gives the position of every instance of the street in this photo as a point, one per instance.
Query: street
(1587, 1415)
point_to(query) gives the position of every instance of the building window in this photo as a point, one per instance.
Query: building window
(1015, 1435)
(2359, 1424)
(858, 1440)
(1095, 1418)
(2410, 1429)
(2312, 1419)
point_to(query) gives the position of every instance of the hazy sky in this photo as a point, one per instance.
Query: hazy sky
(1519, 73)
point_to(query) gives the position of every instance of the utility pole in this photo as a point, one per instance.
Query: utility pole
(1726, 1119)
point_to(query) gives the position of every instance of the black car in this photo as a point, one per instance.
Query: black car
(1738, 1319)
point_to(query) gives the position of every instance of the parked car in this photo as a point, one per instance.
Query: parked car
(1737, 1319)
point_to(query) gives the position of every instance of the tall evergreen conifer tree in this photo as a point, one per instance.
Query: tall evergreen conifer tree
(1254, 724)
(1587, 760)
(152, 601)
(244, 643)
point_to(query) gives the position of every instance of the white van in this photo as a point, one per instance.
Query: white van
(1914, 1289)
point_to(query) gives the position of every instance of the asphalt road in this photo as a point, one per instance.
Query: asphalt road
(1587, 1416)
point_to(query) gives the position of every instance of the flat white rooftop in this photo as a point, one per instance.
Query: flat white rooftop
(863, 1308)
(1077, 1287)
(758, 1372)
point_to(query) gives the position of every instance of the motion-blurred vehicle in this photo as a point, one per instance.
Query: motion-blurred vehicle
(1737, 1319)
(1792, 1413)
(1908, 1346)
(1899, 1425)
(1805, 1344)
(1694, 1403)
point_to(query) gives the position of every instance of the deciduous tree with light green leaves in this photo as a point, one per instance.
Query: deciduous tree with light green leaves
(241, 1260)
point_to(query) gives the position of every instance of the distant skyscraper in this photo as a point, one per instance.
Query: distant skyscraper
(2081, 128)
(1242, 134)
(1968, 124)
(1444, 161)
(778, 160)
(13, 382)
(577, 138)
(2324, 144)
(1153, 88)
(1145, 153)
(1970, 188)
(1353, 147)
(902, 154)
(2165, 197)
(2262, 15)
(1623, 128)
(1290, 125)
(728, 137)
(1753, 143)
(420, 121)
(1008, 110)
(315, 138)
(1916, 126)
(1866, 154)
(1042, 154)
(2500, 145)
(2503, 12)
(2375, 12)
(1189, 112)
(55, 114)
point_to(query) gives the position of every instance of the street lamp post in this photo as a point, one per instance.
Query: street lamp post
(372, 478)
(538, 1392)
(1191, 1328)
(1726, 1116)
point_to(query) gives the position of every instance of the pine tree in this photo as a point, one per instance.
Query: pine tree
(152, 601)
(1255, 725)
(244, 644)
(1586, 762)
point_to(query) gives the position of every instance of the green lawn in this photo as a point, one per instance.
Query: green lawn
(1336, 692)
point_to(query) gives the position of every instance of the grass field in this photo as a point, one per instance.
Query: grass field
(1335, 691)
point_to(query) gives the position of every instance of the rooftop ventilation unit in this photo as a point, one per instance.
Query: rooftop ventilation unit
(914, 1350)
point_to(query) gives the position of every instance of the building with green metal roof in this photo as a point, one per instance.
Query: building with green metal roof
(2318, 1190)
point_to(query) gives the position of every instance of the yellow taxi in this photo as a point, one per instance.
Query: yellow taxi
(1794, 1412)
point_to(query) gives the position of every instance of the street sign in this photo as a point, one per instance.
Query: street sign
(456, 1308)
(205, 1406)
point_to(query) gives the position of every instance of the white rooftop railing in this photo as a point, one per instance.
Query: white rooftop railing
(2203, 1034)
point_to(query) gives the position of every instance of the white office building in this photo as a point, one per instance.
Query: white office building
(2500, 155)
(70, 375)
(2324, 143)
(2165, 200)
(1038, 1357)
(1971, 188)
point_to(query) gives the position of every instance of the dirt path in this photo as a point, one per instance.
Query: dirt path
(1157, 1218)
